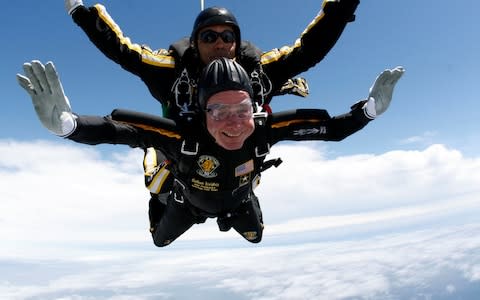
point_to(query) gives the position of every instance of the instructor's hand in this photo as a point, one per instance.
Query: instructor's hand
(50, 103)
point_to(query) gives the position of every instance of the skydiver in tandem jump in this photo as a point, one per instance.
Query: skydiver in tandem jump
(171, 74)
(216, 164)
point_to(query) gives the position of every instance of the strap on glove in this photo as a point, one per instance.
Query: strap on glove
(381, 92)
(71, 5)
(50, 103)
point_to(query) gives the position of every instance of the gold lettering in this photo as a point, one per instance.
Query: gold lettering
(205, 186)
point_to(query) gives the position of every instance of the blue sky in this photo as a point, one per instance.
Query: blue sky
(436, 100)
(389, 213)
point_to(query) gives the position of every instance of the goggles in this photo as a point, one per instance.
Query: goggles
(222, 112)
(209, 36)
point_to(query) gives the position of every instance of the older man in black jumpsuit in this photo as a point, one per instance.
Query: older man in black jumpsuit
(216, 164)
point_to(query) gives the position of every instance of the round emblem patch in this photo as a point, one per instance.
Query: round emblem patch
(207, 165)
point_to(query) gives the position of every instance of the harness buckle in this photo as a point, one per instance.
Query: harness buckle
(257, 87)
(178, 198)
(190, 151)
(262, 152)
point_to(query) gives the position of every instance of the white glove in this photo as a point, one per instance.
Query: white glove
(50, 103)
(381, 92)
(70, 5)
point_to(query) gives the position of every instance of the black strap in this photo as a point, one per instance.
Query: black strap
(262, 147)
(270, 163)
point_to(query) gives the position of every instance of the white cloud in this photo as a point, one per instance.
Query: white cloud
(424, 139)
(392, 266)
(397, 225)
(56, 191)
(307, 184)
(75, 193)
(450, 289)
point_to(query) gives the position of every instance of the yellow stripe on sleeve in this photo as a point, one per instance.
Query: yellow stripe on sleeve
(276, 54)
(291, 122)
(164, 132)
(148, 57)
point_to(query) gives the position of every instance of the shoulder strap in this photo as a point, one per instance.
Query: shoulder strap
(190, 134)
(262, 147)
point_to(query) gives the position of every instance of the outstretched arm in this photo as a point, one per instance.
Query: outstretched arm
(314, 43)
(155, 68)
(53, 109)
(378, 101)
(308, 124)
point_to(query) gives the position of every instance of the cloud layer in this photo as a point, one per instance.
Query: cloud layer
(425, 264)
(403, 224)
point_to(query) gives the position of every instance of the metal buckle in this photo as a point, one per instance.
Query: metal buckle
(187, 152)
(175, 193)
(258, 154)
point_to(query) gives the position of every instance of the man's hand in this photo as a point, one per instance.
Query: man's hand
(71, 5)
(381, 92)
(50, 103)
(295, 86)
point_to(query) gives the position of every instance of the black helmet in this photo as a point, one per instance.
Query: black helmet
(215, 16)
(222, 74)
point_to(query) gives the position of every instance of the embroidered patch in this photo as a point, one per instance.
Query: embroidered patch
(311, 131)
(244, 168)
(207, 165)
(205, 185)
(244, 180)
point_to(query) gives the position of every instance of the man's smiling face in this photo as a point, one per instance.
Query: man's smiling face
(232, 123)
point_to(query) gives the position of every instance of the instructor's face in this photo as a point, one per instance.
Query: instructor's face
(210, 49)
(229, 118)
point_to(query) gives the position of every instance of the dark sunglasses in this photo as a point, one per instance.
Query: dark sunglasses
(210, 36)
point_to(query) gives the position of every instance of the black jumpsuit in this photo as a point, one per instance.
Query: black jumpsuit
(212, 181)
